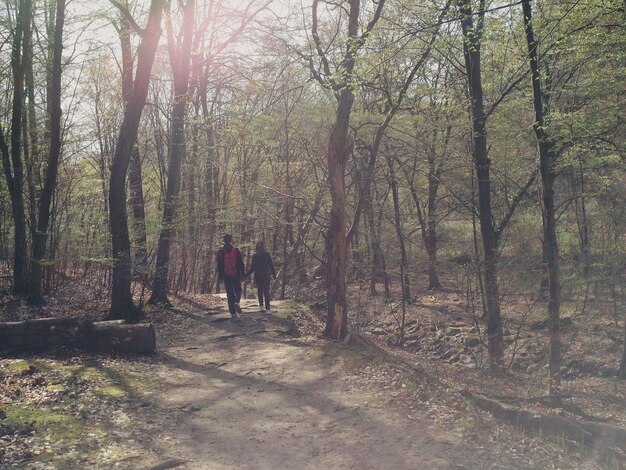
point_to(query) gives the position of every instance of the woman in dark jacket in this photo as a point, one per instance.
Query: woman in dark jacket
(263, 268)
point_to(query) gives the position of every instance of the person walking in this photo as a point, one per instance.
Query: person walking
(230, 269)
(263, 268)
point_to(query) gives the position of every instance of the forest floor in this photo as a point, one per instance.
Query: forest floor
(259, 392)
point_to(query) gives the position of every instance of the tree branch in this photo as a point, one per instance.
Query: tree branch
(516, 200)
(126, 14)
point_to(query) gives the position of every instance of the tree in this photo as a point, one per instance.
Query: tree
(135, 178)
(12, 157)
(341, 82)
(122, 306)
(472, 34)
(50, 181)
(179, 50)
(548, 170)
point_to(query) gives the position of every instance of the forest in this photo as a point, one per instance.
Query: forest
(440, 183)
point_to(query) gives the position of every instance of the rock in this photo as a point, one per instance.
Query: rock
(412, 344)
(392, 341)
(378, 332)
(465, 359)
(532, 368)
(453, 331)
(538, 325)
(451, 353)
(471, 341)
(609, 372)
(612, 348)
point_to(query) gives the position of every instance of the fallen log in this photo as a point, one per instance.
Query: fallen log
(108, 336)
(589, 433)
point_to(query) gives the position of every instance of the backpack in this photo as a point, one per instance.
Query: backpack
(230, 262)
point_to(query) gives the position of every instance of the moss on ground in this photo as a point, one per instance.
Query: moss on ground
(16, 366)
(110, 391)
(59, 426)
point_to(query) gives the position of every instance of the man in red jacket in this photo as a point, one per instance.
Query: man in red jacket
(230, 269)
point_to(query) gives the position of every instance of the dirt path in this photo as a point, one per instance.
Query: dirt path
(245, 394)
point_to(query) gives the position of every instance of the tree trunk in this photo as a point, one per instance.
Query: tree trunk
(622, 366)
(122, 306)
(32, 150)
(50, 181)
(180, 61)
(375, 246)
(471, 48)
(288, 232)
(337, 157)
(547, 162)
(302, 233)
(336, 243)
(48, 333)
(135, 183)
(581, 219)
(12, 159)
(431, 230)
(404, 279)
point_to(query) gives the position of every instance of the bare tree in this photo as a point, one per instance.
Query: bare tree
(50, 181)
(124, 30)
(122, 306)
(12, 158)
(472, 34)
(180, 61)
(547, 168)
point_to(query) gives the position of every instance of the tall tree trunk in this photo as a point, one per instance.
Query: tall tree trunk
(404, 278)
(431, 230)
(622, 366)
(180, 60)
(471, 47)
(54, 155)
(135, 182)
(375, 246)
(122, 306)
(32, 150)
(336, 246)
(580, 204)
(12, 160)
(547, 162)
(477, 259)
(211, 190)
(337, 158)
(288, 233)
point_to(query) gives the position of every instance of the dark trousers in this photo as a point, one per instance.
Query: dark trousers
(232, 284)
(263, 290)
